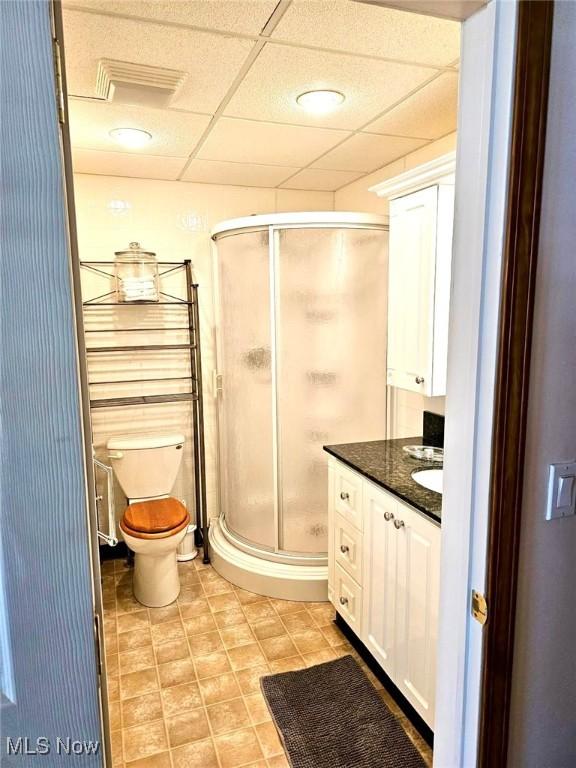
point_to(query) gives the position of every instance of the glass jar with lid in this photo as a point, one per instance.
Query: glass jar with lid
(136, 272)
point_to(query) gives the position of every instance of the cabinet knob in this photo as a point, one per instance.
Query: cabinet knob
(419, 379)
(398, 524)
(344, 496)
(344, 549)
(343, 601)
(388, 516)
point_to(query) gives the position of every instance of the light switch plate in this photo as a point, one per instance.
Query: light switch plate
(561, 490)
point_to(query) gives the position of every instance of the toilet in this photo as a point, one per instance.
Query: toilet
(153, 523)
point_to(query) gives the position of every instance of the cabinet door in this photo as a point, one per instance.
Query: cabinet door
(417, 594)
(412, 258)
(379, 576)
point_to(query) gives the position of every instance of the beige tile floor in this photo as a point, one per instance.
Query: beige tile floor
(183, 680)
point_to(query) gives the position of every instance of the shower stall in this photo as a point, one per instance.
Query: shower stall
(301, 363)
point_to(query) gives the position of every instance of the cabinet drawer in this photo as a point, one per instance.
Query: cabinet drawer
(348, 548)
(348, 599)
(348, 495)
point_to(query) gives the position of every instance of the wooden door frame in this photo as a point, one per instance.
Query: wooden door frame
(83, 388)
(531, 85)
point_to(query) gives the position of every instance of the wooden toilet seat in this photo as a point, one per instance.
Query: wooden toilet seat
(154, 519)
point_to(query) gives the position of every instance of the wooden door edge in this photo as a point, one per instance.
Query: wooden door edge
(92, 541)
(531, 86)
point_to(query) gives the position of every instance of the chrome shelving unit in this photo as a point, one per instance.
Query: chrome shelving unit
(191, 324)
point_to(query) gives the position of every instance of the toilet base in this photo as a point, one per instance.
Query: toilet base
(156, 582)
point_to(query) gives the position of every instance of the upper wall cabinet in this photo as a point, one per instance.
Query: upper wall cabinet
(421, 210)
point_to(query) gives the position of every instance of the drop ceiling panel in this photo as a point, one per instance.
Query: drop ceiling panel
(211, 61)
(365, 152)
(244, 141)
(364, 29)
(173, 133)
(213, 172)
(227, 15)
(430, 113)
(265, 137)
(327, 181)
(281, 73)
(127, 164)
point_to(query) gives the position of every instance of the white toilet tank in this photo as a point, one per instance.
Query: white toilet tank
(146, 465)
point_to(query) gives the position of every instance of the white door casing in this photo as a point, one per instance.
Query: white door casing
(485, 109)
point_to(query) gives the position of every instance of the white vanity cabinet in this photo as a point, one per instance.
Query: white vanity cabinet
(421, 211)
(384, 582)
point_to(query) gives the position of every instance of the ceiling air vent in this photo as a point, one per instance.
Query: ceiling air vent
(122, 82)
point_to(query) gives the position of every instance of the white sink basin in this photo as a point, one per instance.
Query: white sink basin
(429, 478)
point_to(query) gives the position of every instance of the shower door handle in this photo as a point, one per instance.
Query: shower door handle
(217, 383)
(110, 537)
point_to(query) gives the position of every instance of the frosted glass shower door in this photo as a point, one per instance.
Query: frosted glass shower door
(331, 363)
(245, 414)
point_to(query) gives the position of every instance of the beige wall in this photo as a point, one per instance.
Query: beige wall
(543, 716)
(405, 408)
(174, 220)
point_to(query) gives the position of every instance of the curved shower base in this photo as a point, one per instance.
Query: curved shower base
(249, 570)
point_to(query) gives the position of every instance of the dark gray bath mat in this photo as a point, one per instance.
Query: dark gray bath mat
(330, 716)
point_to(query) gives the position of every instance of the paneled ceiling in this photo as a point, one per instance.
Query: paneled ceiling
(235, 119)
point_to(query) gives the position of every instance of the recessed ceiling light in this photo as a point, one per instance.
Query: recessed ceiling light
(320, 101)
(134, 138)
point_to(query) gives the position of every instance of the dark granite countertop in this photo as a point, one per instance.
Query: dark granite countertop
(386, 464)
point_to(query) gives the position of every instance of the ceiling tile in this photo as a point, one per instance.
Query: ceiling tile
(227, 15)
(366, 152)
(241, 174)
(244, 141)
(328, 181)
(429, 113)
(281, 73)
(359, 28)
(211, 61)
(125, 164)
(173, 133)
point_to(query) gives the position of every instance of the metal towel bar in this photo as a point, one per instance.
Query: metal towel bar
(110, 537)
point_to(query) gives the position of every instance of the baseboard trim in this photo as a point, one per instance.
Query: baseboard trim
(423, 729)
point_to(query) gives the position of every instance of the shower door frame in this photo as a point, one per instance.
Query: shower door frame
(308, 221)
